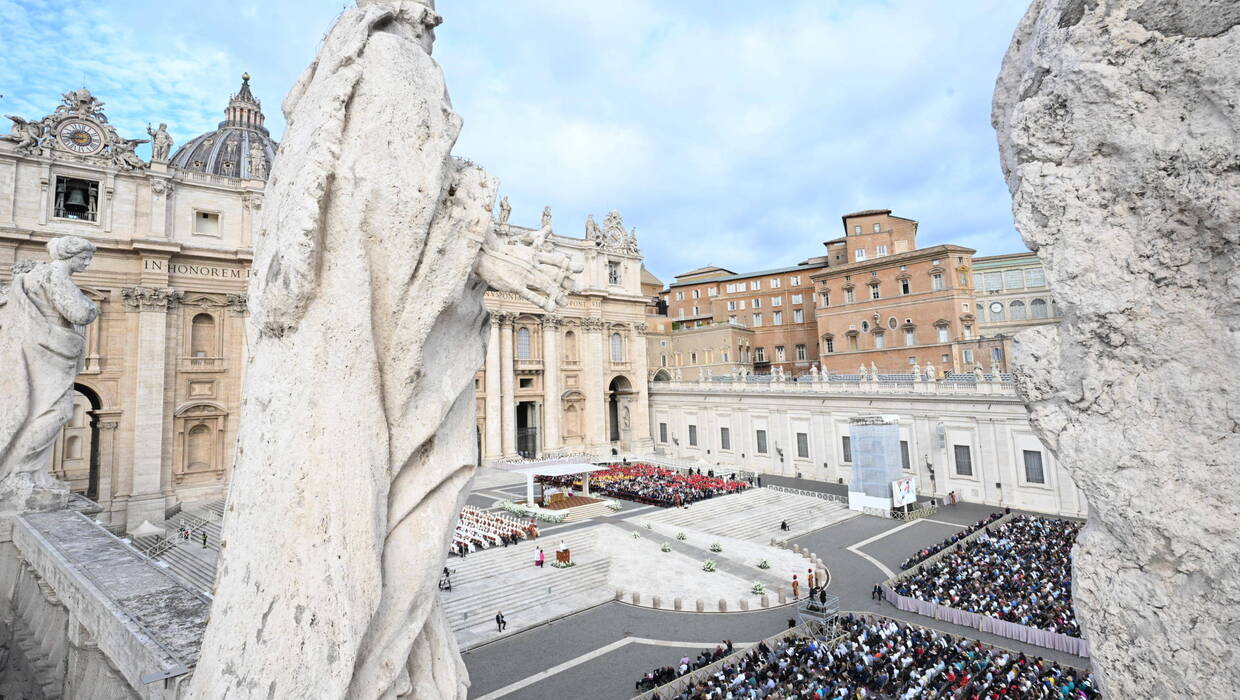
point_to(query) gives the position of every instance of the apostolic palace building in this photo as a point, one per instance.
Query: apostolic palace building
(158, 401)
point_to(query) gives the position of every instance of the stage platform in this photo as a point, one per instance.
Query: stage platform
(580, 507)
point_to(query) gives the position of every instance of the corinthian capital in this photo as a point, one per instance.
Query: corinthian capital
(151, 298)
(593, 324)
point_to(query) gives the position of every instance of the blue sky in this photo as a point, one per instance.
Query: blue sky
(729, 133)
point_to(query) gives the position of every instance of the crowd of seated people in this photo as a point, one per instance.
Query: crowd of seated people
(477, 529)
(1020, 571)
(886, 660)
(923, 554)
(646, 483)
(667, 674)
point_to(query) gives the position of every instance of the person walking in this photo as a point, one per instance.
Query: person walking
(500, 622)
(810, 577)
(204, 539)
(539, 558)
(783, 525)
(759, 481)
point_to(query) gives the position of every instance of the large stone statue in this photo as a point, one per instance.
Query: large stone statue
(161, 142)
(505, 211)
(258, 161)
(1118, 126)
(355, 448)
(43, 316)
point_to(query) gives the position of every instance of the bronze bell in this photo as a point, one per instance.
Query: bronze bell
(76, 200)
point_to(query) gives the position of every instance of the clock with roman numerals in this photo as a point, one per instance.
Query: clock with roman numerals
(80, 137)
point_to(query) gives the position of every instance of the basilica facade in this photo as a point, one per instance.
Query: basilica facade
(157, 405)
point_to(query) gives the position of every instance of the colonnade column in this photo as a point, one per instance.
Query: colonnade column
(594, 382)
(491, 448)
(640, 431)
(508, 407)
(147, 498)
(551, 382)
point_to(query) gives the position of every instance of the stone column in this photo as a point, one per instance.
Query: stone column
(594, 382)
(161, 197)
(508, 406)
(640, 431)
(551, 383)
(110, 482)
(147, 501)
(491, 447)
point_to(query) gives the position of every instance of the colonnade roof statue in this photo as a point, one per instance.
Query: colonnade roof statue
(1118, 126)
(367, 326)
(43, 317)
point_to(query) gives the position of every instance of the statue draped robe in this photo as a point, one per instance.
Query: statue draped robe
(357, 439)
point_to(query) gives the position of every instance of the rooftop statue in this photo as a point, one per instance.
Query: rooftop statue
(43, 316)
(371, 261)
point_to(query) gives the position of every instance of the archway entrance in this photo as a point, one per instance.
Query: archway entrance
(75, 458)
(527, 429)
(618, 393)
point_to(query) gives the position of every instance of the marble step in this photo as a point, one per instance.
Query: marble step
(480, 608)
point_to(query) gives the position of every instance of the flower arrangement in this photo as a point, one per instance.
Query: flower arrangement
(527, 512)
(665, 548)
(716, 547)
(637, 535)
(757, 589)
(681, 536)
(649, 526)
(708, 566)
(764, 564)
(563, 564)
(614, 505)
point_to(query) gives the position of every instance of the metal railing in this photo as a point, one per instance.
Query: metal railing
(168, 542)
(924, 510)
(836, 498)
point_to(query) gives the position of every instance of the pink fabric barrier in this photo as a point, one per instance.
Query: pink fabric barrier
(985, 623)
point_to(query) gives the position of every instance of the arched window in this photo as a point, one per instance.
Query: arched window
(1038, 307)
(1017, 308)
(523, 343)
(202, 336)
(570, 347)
(617, 347)
(199, 447)
(662, 360)
(73, 448)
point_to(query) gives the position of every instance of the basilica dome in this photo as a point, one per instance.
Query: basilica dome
(229, 150)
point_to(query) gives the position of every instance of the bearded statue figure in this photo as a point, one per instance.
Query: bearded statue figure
(43, 317)
(356, 447)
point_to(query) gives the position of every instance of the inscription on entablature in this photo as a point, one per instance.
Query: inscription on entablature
(236, 273)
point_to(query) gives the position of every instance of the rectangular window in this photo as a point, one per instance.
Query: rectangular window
(936, 281)
(944, 334)
(757, 303)
(826, 299)
(803, 445)
(830, 344)
(860, 253)
(874, 291)
(800, 352)
(777, 317)
(994, 281)
(1033, 467)
(777, 301)
(725, 439)
(662, 432)
(779, 353)
(857, 230)
(78, 199)
(731, 319)
(681, 312)
(761, 440)
(759, 355)
(1013, 279)
(713, 291)
(798, 316)
(775, 283)
(206, 223)
(757, 320)
(795, 280)
(848, 296)
(695, 311)
(964, 460)
(755, 285)
(680, 296)
(1034, 277)
(968, 357)
(526, 383)
(613, 272)
(996, 355)
(693, 436)
(797, 299)
(697, 294)
(945, 358)
(731, 306)
(880, 251)
(731, 288)
(878, 228)
(968, 332)
(880, 340)
(852, 342)
(904, 287)
(910, 336)
(847, 443)
(904, 460)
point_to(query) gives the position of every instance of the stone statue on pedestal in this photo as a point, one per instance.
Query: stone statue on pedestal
(161, 142)
(258, 161)
(43, 317)
(505, 211)
(370, 264)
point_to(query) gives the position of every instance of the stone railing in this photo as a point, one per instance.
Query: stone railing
(835, 498)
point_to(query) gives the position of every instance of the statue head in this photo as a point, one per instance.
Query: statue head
(77, 252)
(163, 126)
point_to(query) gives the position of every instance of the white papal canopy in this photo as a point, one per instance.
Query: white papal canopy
(552, 467)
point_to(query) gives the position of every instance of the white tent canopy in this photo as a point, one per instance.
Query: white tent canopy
(534, 469)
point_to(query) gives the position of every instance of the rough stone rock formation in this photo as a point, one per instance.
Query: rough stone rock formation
(357, 437)
(1119, 131)
(43, 316)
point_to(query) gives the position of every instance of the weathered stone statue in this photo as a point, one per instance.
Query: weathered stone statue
(546, 218)
(26, 134)
(1118, 126)
(258, 161)
(505, 211)
(161, 142)
(43, 316)
(355, 453)
(592, 231)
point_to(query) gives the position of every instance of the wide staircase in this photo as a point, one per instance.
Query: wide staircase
(755, 515)
(188, 559)
(505, 579)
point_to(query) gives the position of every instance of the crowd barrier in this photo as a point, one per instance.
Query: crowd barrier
(985, 623)
(812, 494)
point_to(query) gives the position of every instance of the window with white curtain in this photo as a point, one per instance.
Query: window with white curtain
(1033, 467)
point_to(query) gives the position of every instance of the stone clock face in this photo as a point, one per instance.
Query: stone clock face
(996, 307)
(80, 137)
